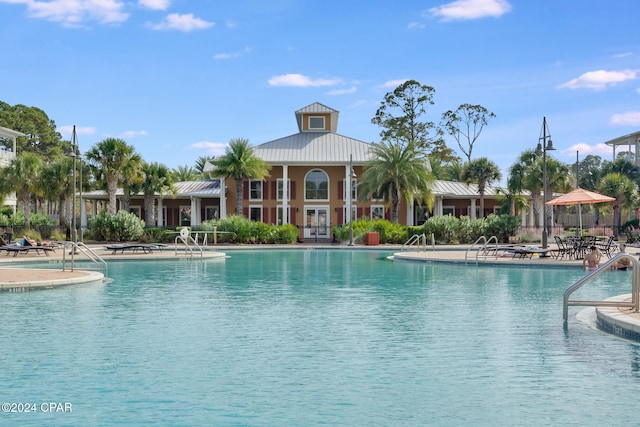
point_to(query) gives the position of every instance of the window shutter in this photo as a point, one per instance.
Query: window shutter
(341, 190)
(358, 213)
(245, 190)
(245, 212)
(340, 216)
(265, 189)
(274, 190)
(292, 196)
(292, 216)
(274, 215)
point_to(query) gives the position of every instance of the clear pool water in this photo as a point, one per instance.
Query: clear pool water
(316, 337)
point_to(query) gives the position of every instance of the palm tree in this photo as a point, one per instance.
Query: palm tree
(110, 156)
(23, 175)
(511, 203)
(185, 173)
(240, 163)
(483, 172)
(131, 178)
(157, 180)
(56, 185)
(528, 174)
(201, 162)
(623, 189)
(397, 169)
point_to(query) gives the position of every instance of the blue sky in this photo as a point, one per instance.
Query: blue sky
(178, 79)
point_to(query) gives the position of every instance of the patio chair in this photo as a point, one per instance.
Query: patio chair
(563, 249)
(608, 247)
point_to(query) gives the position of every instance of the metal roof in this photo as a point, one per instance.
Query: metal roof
(316, 108)
(199, 188)
(629, 139)
(453, 189)
(9, 133)
(314, 148)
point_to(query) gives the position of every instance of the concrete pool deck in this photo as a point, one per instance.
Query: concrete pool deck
(621, 321)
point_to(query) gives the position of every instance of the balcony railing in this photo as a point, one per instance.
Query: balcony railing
(6, 157)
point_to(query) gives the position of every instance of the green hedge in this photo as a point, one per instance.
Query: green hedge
(446, 229)
(238, 229)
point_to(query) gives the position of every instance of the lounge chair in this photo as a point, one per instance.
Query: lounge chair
(147, 248)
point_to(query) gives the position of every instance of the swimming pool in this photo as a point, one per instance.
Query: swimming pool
(316, 337)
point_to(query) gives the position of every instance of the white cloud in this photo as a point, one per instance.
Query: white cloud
(74, 13)
(233, 55)
(67, 131)
(585, 149)
(393, 83)
(631, 118)
(212, 148)
(298, 80)
(155, 4)
(600, 79)
(416, 26)
(175, 21)
(346, 91)
(622, 55)
(470, 9)
(132, 133)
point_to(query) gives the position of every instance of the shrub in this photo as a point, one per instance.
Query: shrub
(238, 229)
(443, 228)
(501, 226)
(121, 227)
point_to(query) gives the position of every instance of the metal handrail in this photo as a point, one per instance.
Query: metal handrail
(635, 286)
(416, 238)
(87, 251)
(478, 240)
(484, 248)
(188, 247)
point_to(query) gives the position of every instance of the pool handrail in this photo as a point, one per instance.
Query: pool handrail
(485, 248)
(184, 236)
(419, 239)
(80, 247)
(635, 286)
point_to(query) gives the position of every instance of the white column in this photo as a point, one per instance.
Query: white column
(194, 211)
(159, 213)
(473, 209)
(347, 193)
(410, 209)
(285, 194)
(223, 199)
(438, 209)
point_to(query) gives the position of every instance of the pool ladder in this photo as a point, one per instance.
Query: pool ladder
(77, 248)
(188, 242)
(488, 249)
(635, 288)
(419, 240)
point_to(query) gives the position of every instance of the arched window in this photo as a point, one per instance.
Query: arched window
(316, 186)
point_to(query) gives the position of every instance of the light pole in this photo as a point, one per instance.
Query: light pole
(544, 145)
(352, 174)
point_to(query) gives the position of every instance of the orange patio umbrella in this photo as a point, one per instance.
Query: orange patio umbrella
(579, 197)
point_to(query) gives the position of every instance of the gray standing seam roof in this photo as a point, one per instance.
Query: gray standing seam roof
(314, 148)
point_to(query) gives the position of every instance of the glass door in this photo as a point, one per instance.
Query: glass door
(317, 224)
